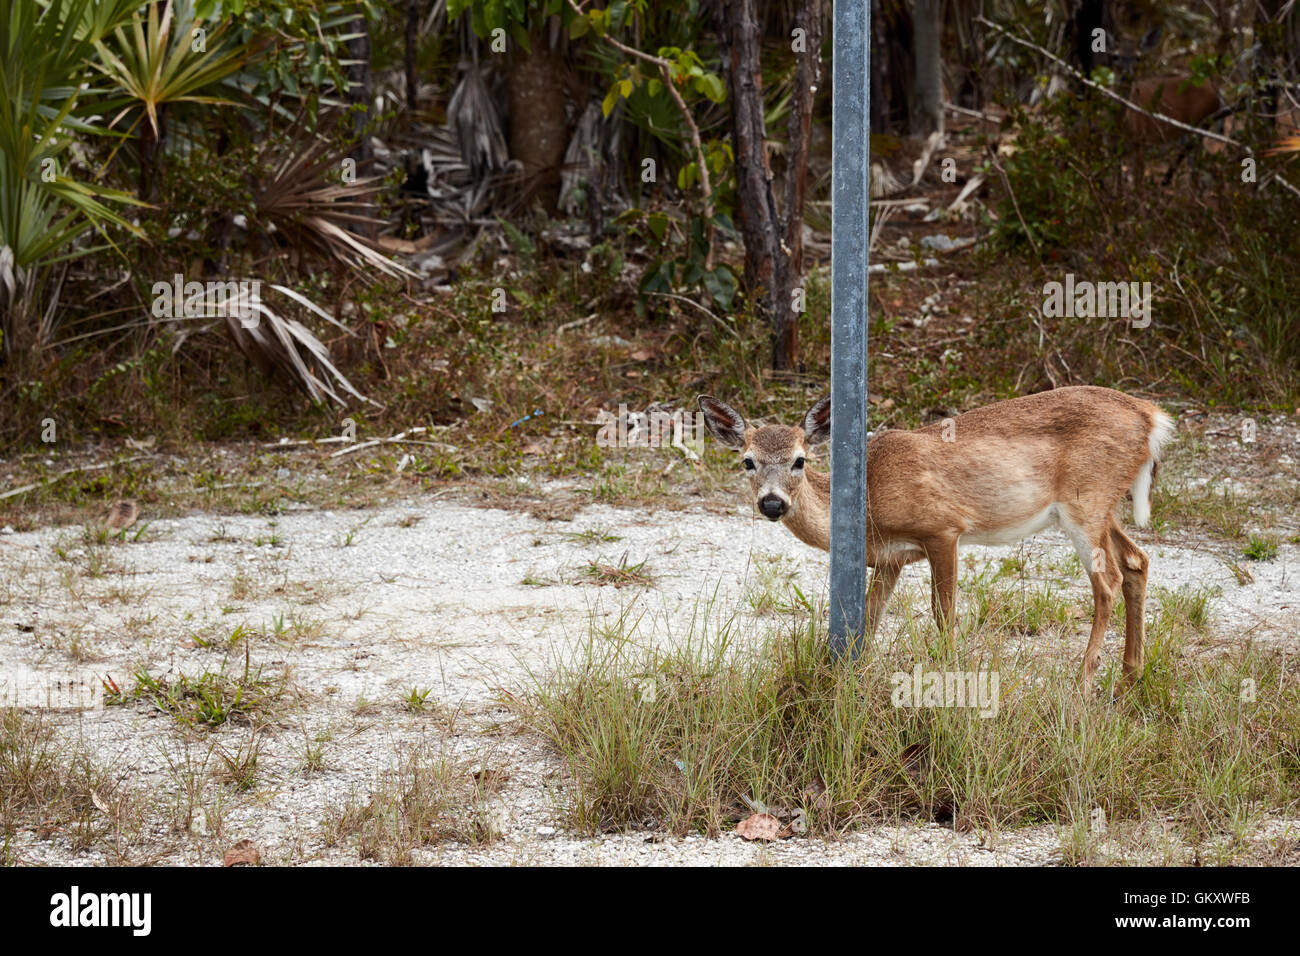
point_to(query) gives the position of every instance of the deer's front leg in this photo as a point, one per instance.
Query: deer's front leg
(942, 553)
(883, 578)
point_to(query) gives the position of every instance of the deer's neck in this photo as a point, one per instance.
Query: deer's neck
(810, 518)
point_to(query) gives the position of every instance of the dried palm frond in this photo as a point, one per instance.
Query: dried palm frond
(305, 198)
(1285, 144)
(287, 345)
(472, 114)
(278, 343)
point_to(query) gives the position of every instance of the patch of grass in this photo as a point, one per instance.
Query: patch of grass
(1261, 547)
(212, 697)
(619, 575)
(735, 721)
(417, 701)
(1212, 507)
(47, 784)
(425, 798)
(774, 591)
(1186, 606)
(590, 536)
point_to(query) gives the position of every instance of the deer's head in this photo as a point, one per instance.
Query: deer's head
(774, 455)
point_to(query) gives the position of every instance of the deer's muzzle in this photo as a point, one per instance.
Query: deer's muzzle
(773, 507)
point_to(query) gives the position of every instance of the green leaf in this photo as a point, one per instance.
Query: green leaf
(721, 286)
(611, 99)
(712, 87)
(658, 223)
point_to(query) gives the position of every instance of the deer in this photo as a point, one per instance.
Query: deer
(1178, 97)
(991, 476)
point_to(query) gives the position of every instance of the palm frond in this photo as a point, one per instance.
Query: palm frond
(304, 197)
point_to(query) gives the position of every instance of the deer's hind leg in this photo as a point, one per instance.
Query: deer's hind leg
(1133, 564)
(1097, 553)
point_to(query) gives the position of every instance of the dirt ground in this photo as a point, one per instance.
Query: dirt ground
(351, 612)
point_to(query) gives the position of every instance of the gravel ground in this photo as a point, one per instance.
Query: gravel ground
(431, 594)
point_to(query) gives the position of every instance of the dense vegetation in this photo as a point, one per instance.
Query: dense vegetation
(551, 206)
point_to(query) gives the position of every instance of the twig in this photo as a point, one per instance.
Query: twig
(973, 114)
(689, 301)
(993, 158)
(398, 439)
(569, 326)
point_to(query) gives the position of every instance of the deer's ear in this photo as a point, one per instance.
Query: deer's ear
(817, 423)
(724, 423)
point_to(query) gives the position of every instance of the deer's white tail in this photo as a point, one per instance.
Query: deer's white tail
(1162, 429)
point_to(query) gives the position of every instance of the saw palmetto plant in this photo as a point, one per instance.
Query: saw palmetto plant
(45, 210)
(308, 193)
(159, 59)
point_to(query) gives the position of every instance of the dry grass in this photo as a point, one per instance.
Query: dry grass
(692, 740)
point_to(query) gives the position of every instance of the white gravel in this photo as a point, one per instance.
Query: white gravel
(430, 594)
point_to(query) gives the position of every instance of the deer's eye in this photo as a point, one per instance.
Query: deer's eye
(749, 464)
(798, 463)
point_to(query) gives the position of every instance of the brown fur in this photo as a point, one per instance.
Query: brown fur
(1072, 452)
(1172, 96)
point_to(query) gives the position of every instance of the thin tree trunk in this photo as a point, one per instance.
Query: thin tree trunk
(739, 36)
(358, 76)
(927, 114)
(412, 36)
(150, 145)
(789, 259)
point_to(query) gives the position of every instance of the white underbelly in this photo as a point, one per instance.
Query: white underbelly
(1010, 534)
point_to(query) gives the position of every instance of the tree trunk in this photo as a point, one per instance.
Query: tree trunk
(538, 126)
(150, 144)
(927, 111)
(789, 259)
(739, 35)
(1090, 16)
(892, 56)
(358, 76)
(412, 37)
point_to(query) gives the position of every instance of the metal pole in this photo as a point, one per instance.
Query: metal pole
(851, 99)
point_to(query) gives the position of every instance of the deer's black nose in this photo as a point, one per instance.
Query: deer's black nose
(772, 507)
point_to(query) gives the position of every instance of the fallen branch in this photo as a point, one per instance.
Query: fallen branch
(398, 439)
(70, 471)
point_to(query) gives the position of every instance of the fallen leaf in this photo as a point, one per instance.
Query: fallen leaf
(123, 514)
(642, 355)
(760, 826)
(243, 853)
